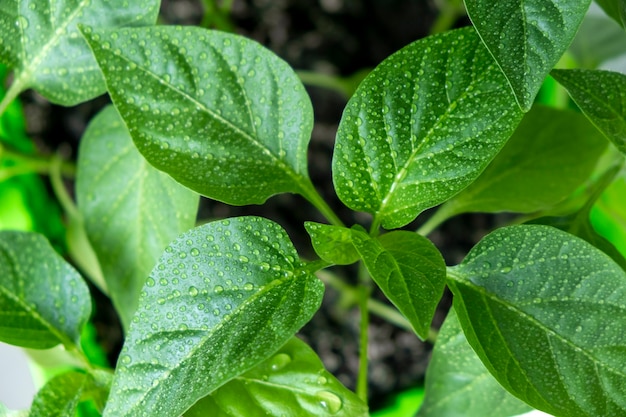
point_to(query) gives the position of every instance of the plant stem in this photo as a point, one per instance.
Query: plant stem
(27, 164)
(442, 214)
(331, 82)
(364, 293)
(309, 192)
(16, 88)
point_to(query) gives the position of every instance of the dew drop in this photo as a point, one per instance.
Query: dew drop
(265, 266)
(193, 291)
(279, 361)
(194, 252)
(248, 286)
(126, 359)
(329, 401)
(218, 289)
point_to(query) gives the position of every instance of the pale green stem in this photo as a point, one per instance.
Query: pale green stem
(27, 164)
(365, 290)
(59, 189)
(309, 192)
(16, 88)
(331, 82)
(442, 214)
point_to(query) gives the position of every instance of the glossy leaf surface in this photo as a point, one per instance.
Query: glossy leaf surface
(409, 270)
(550, 154)
(224, 297)
(546, 313)
(332, 243)
(62, 394)
(292, 383)
(457, 382)
(421, 127)
(131, 210)
(218, 112)
(40, 40)
(527, 38)
(43, 300)
(601, 95)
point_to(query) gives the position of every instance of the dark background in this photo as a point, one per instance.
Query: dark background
(337, 37)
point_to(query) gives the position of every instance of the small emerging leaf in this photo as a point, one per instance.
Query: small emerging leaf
(292, 383)
(409, 270)
(43, 300)
(332, 243)
(526, 38)
(457, 382)
(601, 95)
(131, 210)
(421, 127)
(546, 313)
(224, 297)
(40, 40)
(218, 112)
(550, 154)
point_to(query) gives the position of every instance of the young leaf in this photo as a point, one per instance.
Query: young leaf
(62, 394)
(457, 380)
(131, 210)
(43, 300)
(550, 154)
(293, 382)
(218, 112)
(332, 243)
(223, 298)
(526, 38)
(421, 127)
(546, 313)
(409, 270)
(40, 40)
(602, 98)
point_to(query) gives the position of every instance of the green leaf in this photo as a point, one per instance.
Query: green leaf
(534, 302)
(457, 382)
(421, 127)
(224, 297)
(597, 41)
(332, 243)
(131, 210)
(614, 8)
(608, 215)
(293, 382)
(409, 270)
(62, 394)
(40, 40)
(550, 154)
(43, 300)
(527, 38)
(602, 98)
(218, 112)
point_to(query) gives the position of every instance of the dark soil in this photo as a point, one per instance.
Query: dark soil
(336, 37)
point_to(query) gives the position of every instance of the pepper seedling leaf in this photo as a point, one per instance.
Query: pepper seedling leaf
(43, 300)
(224, 297)
(292, 382)
(546, 313)
(332, 243)
(527, 38)
(131, 210)
(41, 42)
(601, 95)
(218, 112)
(421, 127)
(555, 148)
(457, 380)
(409, 270)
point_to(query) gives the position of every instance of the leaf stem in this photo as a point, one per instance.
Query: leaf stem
(364, 293)
(331, 82)
(309, 192)
(14, 90)
(443, 213)
(27, 164)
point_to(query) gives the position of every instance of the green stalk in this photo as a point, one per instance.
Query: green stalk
(309, 192)
(442, 214)
(364, 292)
(27, 164)
(16, 88)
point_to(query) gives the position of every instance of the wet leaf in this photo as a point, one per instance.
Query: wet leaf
(40, 40)
(409, 270)
(550, 154)
(534, 303)
(131, 210)
(218, 112)
(332, 243)
(43, 300)
(457, 382)
(62, 394)
(421, 127)
(292, 383)
(602, 98)
(224, 297)
(614, 8)
(527, 38)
